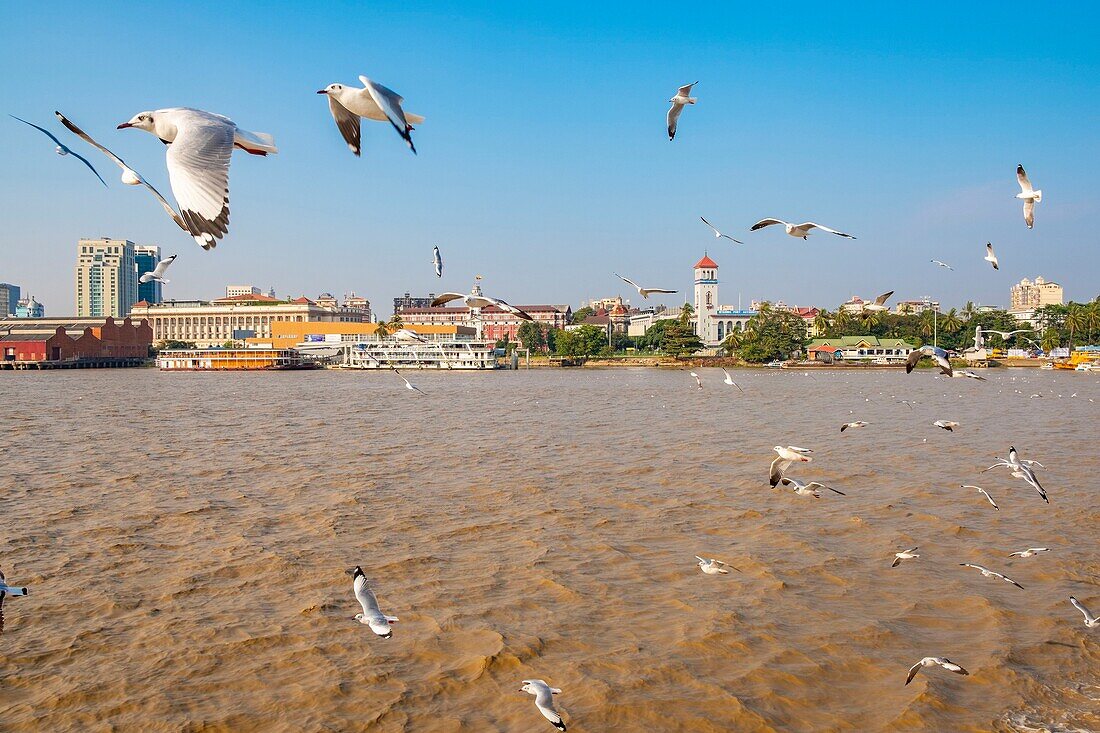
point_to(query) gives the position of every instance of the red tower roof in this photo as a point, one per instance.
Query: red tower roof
(706, 262)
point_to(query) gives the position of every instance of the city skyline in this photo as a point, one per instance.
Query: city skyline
(898, 138)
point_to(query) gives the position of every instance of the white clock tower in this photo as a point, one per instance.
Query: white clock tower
(706, 299)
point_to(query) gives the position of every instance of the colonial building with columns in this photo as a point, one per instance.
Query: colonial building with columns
(714, 322)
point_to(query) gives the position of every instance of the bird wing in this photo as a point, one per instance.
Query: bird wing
(1021, 176)
(796, 449)
(913, 672)
(347, 122)
(43, 130)
(366, 597)
(162, 266)
(659, 290)
(390, 103)
(951, 666)
(911, 360)
(823, 486)
(766, 223)
(446, 298)
(779, 465)
(990, 255)
(671, 118)
(710, 225)
(627, 280)
(509, 308)
(198, 169)
(685, 90)
(50, 135)
(812, 225)
(1077, 604)
(1029, 213)
(881, 300)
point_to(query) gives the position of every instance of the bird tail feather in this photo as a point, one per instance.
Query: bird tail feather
(257, 142)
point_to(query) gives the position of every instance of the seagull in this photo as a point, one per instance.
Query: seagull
(1030, 551)
(931, 662)
(729, 380)
(480, 301)
(129, 176)
(7, 590)
(682, 97)
(798, 230)
(199, 148)
(1021, 469)
(904, 555)
(544, 700)
(908, 403)
(969, 375)
(1091, 621)
(409, 385)
(378, 622)
(374, 102)
(1007, 334)
(437, 262)
(62, 149)
(158, 272)
(1029, 195)
(986, 572)
(984, 492)
(990, 257)
(942, 264)
(698, 382)
(934, 352)
(718, 234)
(644, 292)
(405, 334)
(787, 456)
(714, 567)
(810, 489)
(856, 424)
(948, 425)
(880, 303)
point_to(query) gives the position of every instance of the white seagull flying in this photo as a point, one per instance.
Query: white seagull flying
(713, 567)
(948, 425)
(787, 456)
(904, 555)
(810, 489)
(856, 424)
(437, 262)
(409, 385)
(987, 573)
(984, 493)
(880, 303)
(942, 264)
(200, 145)
(682, 97)
(798, 230)
(158, 272)
(729, 380)
(1091, 621)
(62, 149)
(544, 700)
(9, 590)
(932, 352)
(698, 382)
(480, 301)
(1021, 469)
(378, 622)
(644, 292)
(1029, 552)
(718, 234)
(990, 257)
(374, 102)
(932, 662)
(1029, 195)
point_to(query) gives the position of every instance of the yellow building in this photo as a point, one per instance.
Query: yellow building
(1028, 295)
(287, 334)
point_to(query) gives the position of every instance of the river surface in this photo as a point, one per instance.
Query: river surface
(184, 538)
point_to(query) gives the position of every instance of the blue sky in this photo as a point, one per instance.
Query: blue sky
(544, 164)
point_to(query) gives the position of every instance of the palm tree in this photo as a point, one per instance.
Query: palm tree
(842, 320)
(1092, 318)
(869, 319)
(951, 321)
(1050, 340)
(905, 309)
(927, 323)
(1076, 320)
(383, 330)
(733, 341)
(396, 323)
(821, 321)
(969, 310)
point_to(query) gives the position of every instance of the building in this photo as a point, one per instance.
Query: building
(494, 324)
(859, 348)
(147, 257)
(408, 301)
(234, 318)
(106, 278)
(30, 308)
(714, 322)
(58, 340)
(1029, 295)
(9, 299)
(288, 334)
(232, 291)
(640, 321)
(604, 303)
(915, 307)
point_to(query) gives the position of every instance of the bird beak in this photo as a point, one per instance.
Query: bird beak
(322, 91)
(123, 126)
(350, 572)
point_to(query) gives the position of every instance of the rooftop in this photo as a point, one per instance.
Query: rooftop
(706, 262)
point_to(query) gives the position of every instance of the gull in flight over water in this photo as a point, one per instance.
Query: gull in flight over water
(856, 424)
(644, 292)
(718, 234)
(932, 662)
(374, 102)
(729, 380)
(942, 264)
(9, 590)
(990, 257)
(129, 176)
(904, 555)
(1021, 469)
(437, 262)
(158, 272)
(798, 230)
(409, 385)
(984, 493)
(378, 622)
(880, 303)
(698, 382)
(544, 700)
(810, 489)
(200, 145)
(1091, 621)
(787, 456)
(986, 572)
(713, 567)
(683, 96)
(1030, 551)
(1029, 195)
(968, 375)
(61, 149)
(480, 301)
(935, 353)
(948, 425)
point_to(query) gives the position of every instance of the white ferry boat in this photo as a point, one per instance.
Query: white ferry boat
(399, 354)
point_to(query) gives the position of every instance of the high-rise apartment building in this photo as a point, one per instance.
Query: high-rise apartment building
(9, 298)
(147, 256)
(232, 291)
(106, 278)
(1028, 295)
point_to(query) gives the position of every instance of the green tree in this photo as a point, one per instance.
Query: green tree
(868, 320)
(841, 322)
(396, 323)
(580, 342)
(1076, 320)
(1051, 340)
(950, 321)
(581, 313)
(655, 334)
(969, 310)
(383, 330)
(927, 324)
(171, 344)
(821, 321)
(533, 335)
(772, 334)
